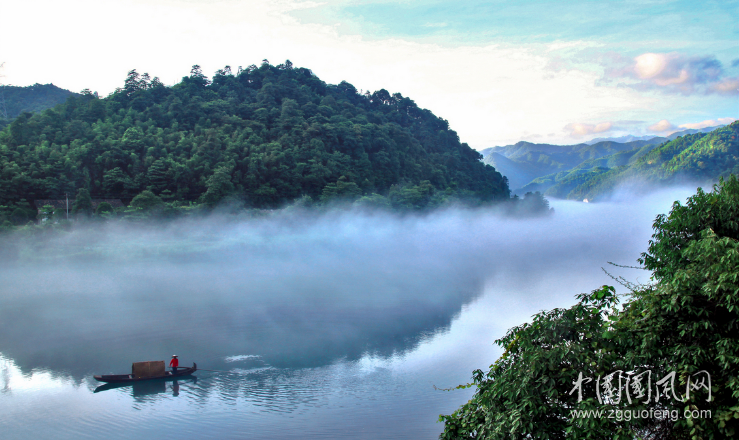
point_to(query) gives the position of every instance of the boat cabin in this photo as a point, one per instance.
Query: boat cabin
(141, 370)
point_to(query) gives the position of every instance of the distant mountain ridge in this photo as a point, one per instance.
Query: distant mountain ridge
(623, 139)
(524, 161)
(699, 158)
(673, 136)
(594, 170)
(35, 98)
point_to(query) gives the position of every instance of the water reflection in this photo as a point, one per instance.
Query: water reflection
(332, 330)
(149, 388)
(101, 320)
(297, 291)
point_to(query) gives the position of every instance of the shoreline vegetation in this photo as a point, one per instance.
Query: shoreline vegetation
(683, 326)
(52, 236)
(149, 206)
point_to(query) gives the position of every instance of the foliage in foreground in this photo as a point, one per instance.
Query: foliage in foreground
(686, 323)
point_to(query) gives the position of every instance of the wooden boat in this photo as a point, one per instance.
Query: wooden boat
(124, 378)
(147, 387)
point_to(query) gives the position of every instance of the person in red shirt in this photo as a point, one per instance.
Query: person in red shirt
(174, 363)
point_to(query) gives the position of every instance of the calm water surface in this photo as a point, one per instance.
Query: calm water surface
(332, 327)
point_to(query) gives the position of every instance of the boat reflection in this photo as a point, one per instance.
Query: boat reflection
(149, 387)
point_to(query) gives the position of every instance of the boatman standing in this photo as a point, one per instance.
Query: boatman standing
(174, 363)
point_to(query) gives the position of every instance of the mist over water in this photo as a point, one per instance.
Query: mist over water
(346, 318)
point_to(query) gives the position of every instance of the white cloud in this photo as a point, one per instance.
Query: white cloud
(727, 86)
(672, 72)
(578, 129)
(492, 94)
(650, 65)
(665, 127)
(662, 126)
(708, 123)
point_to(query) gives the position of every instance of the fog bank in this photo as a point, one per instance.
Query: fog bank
(293, 289)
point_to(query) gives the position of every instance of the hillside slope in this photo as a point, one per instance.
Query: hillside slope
(700, 158)
(518, 174)
(35, 98)
(560, 184)
(266, 135)
(533, 167)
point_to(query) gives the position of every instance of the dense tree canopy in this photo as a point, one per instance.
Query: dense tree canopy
(701, 157)
(595, 171)
(35, 98)
(266, 135)
(681, 331)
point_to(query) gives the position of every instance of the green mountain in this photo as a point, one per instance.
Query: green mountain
(525, 162)
(516, 172)
(35, 98)
(560, 184)
(700, 157)
(587, 171)
(266, 136)
(670, 137)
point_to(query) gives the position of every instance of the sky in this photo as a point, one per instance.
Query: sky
(499, 72)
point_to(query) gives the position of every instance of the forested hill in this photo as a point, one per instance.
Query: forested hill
(594, 171)
(265, 135)
(35, 98)
(525, 161)
(699, 157)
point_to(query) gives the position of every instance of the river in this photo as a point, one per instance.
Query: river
(341, 325)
